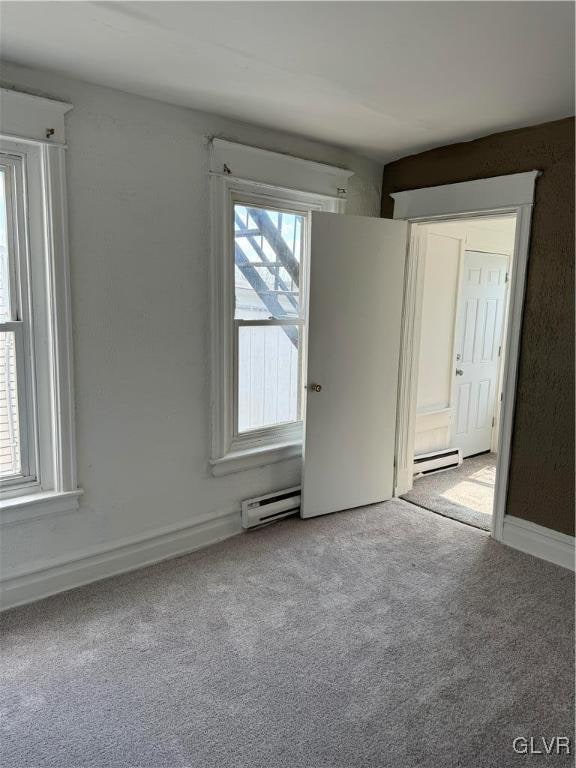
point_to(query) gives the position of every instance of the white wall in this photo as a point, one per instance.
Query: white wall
(492, 234)
(139, 244)
(435, 370)
(441, 266)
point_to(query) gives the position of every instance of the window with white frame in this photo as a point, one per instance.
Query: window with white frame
(17, 428)
(270, 253)
(37, 447)
(261, 242)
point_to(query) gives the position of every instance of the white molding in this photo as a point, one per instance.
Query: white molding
(277, 170)
(511, 354)
(490, 194)
(60, 323)
(408, 366)
(541, 542)
(51, 321)
(22, 509)
(125, 555)
(238, 461)
(499, 195)
(34, 118)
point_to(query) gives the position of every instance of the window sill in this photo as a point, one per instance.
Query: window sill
(238, 461)
(21, 509)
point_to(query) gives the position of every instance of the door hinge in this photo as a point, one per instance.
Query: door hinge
(499, 351)
(493, 421)
(506, 277)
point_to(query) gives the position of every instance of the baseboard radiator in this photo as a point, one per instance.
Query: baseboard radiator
(437, 461)
(273, 506)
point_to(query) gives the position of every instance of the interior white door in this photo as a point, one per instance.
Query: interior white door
(481, 312)
(356, 287)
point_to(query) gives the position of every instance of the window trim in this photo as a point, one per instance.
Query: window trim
(46, 224)
(231, 452)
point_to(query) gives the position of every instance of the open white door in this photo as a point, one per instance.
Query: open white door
(356, 288)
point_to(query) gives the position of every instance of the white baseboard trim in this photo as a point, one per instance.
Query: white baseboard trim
(125, 555)
(541, 542)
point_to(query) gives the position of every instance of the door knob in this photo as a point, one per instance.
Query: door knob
(315, 387)
(459, 372)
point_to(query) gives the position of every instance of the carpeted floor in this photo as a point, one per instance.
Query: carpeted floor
(465, 493)
(382, 637)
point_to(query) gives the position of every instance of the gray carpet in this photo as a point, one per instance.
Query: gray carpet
(465, 493)
(387, 636)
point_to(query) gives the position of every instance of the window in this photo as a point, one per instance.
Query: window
(17, 433)
(262, 205)
(269, 315)
(37, 449)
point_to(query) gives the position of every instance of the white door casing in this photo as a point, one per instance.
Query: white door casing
(512, 195)
(356, 288)
(480, 320)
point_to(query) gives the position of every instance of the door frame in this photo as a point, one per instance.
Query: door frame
(501, 363)
(511, 194)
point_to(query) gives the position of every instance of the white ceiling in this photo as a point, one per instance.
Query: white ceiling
(383, 78)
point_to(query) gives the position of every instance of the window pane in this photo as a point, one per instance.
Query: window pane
(268, 252)
(4, 273)
(268, 376)
(9, 424)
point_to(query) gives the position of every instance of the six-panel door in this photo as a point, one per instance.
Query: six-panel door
(479, 341)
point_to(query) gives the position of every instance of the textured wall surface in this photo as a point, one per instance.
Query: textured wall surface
(541, 487)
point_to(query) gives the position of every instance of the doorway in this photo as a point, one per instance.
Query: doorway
(363, 344)
(462, 306)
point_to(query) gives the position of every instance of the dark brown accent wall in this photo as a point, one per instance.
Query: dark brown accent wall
(541, 482)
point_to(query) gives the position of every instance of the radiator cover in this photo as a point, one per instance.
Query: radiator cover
(264, 510)
(437, 461)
